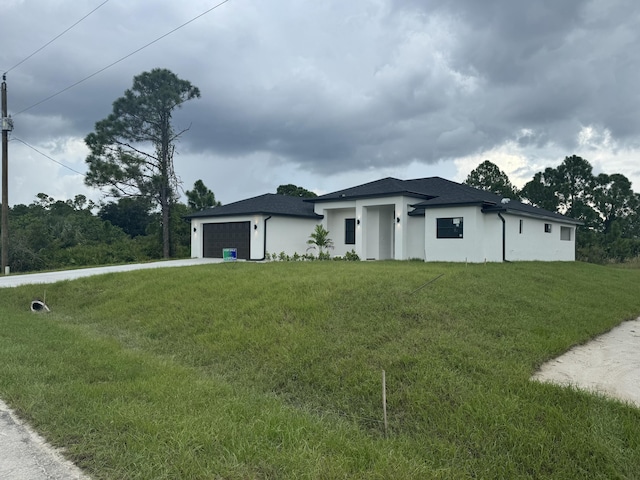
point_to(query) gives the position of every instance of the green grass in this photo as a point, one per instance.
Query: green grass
(274, 371)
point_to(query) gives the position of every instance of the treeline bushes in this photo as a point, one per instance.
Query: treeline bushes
(52, 234)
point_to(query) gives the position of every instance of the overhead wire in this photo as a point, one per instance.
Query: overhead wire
(122, 59)
(47, 156)
(55, 38)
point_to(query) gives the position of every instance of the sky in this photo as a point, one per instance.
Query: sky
(329, 94)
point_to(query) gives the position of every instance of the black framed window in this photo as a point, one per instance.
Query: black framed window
(449, 227)
(350, 231)
(547, 228)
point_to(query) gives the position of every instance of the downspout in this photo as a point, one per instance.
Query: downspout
(264, 250)
(504, 238)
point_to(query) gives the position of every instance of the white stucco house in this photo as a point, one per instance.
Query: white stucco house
(432, 219)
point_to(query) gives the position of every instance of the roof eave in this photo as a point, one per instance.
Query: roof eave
(372, 195)
(513, 211)
(247, 214)
(451, 204)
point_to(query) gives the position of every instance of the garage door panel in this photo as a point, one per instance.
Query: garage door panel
(218, 236)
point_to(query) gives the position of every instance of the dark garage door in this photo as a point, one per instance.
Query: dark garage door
(217, 236)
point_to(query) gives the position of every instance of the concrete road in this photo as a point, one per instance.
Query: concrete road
(24, 455)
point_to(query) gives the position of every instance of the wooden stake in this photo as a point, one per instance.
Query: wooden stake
(384, 401)
(430, 281)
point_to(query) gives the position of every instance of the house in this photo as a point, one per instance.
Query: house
(432, 219)
(265, 224)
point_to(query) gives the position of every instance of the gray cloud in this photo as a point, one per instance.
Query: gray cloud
(336, 86)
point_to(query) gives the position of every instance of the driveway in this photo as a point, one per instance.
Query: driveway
(52, 277)
(609, 365)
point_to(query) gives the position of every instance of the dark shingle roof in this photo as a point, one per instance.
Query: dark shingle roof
(431, 192)
(379, 188)
(434, 192)
(267, 204)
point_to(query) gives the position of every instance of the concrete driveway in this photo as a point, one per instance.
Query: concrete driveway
(24, 455)
(52, 277)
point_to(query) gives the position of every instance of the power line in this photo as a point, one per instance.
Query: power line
(47, 156)
(55, 38)
(123, 58)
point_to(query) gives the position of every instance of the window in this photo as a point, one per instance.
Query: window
(449, 227)
(565, 233)
(350, 231)
(547, 228)
(521, 225)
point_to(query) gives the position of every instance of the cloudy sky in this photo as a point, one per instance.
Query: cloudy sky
(333, 93)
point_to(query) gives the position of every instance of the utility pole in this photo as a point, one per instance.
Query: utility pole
(7, 126)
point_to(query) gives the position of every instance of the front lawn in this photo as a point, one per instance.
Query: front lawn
(274, 370)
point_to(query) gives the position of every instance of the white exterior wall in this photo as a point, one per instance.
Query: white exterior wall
(288, 234)
(415, 237)
(336, 226)
(482, 238)
(379, 230)
(378, 235)
(481, 241)
(196, 238)
(491, 237)
(536, 244)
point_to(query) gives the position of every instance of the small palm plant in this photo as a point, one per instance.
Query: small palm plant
(320, 239)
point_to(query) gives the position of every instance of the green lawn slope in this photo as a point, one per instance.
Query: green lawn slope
(274, 370)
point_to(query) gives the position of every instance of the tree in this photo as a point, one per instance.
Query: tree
(132, 149)
(292, 190)
(181, 231)
(573, 184)
(131, 214)
(320, 239)
(487, 176)
(614, 200)
(632, 227)
(567, 189)
(539, 191)
(201, 197)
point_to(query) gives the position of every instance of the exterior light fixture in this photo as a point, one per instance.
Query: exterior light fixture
(397, 219)
(358, 221)
(255, 226)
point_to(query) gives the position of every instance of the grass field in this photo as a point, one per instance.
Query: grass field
(243, 370)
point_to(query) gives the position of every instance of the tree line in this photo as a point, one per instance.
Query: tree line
(605, 203)
(50, 234)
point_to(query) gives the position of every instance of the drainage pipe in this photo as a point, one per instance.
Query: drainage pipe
(504, 238)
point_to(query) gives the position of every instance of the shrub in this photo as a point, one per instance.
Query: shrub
(351, 256)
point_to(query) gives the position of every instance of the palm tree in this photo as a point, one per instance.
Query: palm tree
(320, 238)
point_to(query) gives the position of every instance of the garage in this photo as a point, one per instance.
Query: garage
(218, 236)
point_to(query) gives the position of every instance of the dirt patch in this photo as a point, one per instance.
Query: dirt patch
(609, 364)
